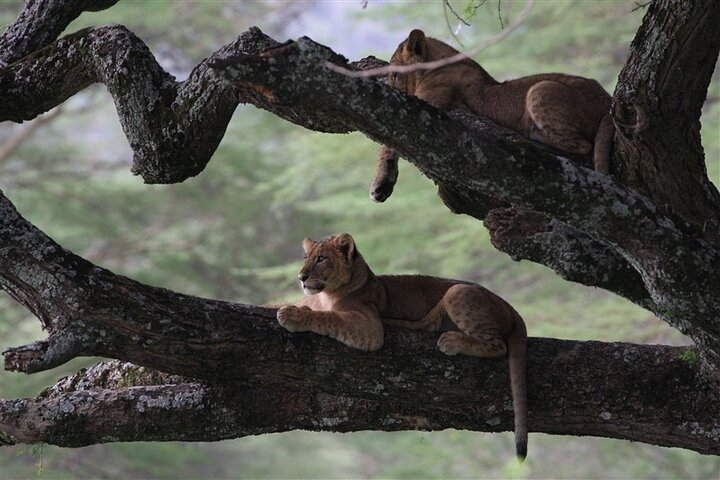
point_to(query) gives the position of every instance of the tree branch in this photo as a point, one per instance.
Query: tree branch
(640, 393)
(40, 22)
(172, 127)
(274, 380)
(572, 254)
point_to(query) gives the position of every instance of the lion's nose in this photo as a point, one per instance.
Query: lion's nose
(303, 276)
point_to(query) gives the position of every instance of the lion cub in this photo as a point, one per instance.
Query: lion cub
(347, 301)
(566, 112)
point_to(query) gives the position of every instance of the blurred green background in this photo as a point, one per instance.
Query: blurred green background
(234, 231)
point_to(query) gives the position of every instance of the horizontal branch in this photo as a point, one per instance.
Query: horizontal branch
(275, 380)
(640, 393)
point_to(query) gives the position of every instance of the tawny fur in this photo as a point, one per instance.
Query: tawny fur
(567, 112)
(347, 301)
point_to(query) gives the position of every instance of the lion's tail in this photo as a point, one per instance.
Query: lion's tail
(517, 346)
(602, 148)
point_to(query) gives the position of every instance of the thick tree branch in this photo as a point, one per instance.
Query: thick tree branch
(652, 394)
(273, 380)
(572, 254)
(173, 127)
(40, 22)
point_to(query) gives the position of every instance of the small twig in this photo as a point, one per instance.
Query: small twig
(16, 140)
(450, 7)
(502, 25)
(639, 5)
(446, 4)
(375, 72)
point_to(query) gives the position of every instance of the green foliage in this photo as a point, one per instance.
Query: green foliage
(689, 356)
(234, 232)
(470, 10)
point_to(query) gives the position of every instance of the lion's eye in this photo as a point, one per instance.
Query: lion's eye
(321, 259)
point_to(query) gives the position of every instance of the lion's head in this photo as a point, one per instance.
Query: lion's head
(412, 50)
(328, 263)
(417, 48)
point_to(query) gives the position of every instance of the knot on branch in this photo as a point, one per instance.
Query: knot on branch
(112, 374)
(510, 225)
(44, 354)
(629, 118)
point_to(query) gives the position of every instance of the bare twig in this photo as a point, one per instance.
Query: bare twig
(375, 72)
(502, 25)
(639, 5)
(16, 140)
(446, 5)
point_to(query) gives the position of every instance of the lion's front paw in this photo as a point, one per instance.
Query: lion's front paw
(290, 317)
(381, 189)
(450, 343)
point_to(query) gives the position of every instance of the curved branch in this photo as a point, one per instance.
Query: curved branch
(173, 127)
(40, 22)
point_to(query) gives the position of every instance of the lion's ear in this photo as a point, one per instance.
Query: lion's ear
(417, 44)
(346, 245)
(307, 244)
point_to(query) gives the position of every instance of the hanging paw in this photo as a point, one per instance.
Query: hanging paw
(381, 189)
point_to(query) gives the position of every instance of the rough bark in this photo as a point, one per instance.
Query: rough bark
(651, 394)
(40, 23)
(572, 254)
(614, 232)
(657, 104)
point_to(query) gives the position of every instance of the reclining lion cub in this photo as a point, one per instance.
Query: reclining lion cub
(567, 112)
(347, 301)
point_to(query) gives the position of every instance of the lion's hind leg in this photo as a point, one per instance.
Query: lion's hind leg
(480, 332)
(555, 122)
